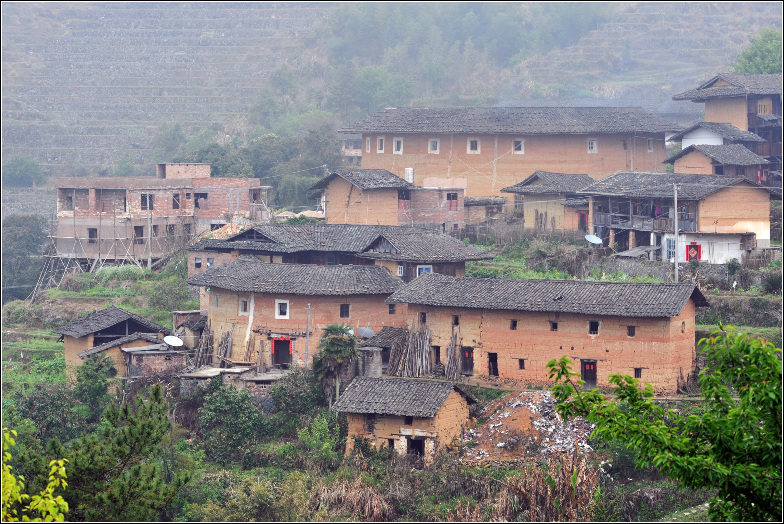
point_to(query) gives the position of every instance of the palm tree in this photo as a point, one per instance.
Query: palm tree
(338, 349)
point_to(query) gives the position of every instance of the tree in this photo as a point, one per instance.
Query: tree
(229, 421)
(338, 349)
(93, 380)
(22, 171)
(114, 476)
(125, 168)
(734, 446)
(763, 56)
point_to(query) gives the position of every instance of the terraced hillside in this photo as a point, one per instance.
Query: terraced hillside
(85, 84)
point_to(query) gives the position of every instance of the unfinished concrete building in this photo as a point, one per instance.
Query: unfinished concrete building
(143, 219)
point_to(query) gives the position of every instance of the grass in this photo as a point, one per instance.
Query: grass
(693, 514)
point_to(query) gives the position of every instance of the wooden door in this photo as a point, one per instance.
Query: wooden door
(468, 361)
(281, 353)
(588, 372)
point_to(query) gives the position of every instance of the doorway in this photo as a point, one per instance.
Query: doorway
(281, 353)
(588, 372)
(492, 364)
(468, 361)
(415, 446)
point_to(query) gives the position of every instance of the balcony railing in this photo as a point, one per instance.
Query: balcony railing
(642, 223)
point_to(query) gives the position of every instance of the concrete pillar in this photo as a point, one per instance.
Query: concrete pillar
(631, 239)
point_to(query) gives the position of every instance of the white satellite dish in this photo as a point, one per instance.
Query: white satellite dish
(365, 332)
(593, 239)
(173, 341)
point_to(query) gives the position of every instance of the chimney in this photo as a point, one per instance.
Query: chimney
(369, 362)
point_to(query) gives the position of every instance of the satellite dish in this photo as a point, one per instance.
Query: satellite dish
(173, 341)
(593, 239)
(365, 332)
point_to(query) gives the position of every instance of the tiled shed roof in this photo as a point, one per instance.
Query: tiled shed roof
(412, 244)
(401, 397)
(741, 85)
(513, 120)
(550, 183)
(727, 131)
(149, 337)
(484, 201)
(386, 338)
(551, 296)
(366, 179)
(247, 273)
(660, 185)
(103, 319)
(730, 154)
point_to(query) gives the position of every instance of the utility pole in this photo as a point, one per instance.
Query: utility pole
(307, 334)
(675, 226)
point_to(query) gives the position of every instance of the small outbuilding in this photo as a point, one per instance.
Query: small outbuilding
(409, 416)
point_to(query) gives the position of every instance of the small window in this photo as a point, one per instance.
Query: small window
(434, 146)
(187, 196)
(186, 230)
(637, 372)
(367, 145)
(176, 201)
(521, 363)
(147, 202)
(409, 421)
(217, 300)
(210, 262)
(403, 194)
(138, 234)
(345, 310)
(436, 354)
(455, 320)
(473, 146)
(593, 146)
(92, 235)
(451, 196)
(200, 200)
(391, 309)
(519, 146)
(670, 248)
(243, 305)
(422, 317)
(513, 325)
(401, 270)
(630, 331)
(197, 262)
(650, 145)
(282, 309)
(424, 269)
(554, 326)
(683, 327)
(155, 230)
(380, 144)
(397, 146)
(593, 327)
(625, 144)
(170, 230)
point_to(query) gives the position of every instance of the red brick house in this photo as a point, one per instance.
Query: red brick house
(143, 218)
(484, 149)
(264, 307)
(378, 197)
(512, 328)
(408, 416)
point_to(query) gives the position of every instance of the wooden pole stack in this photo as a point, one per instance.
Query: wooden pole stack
(203, 354)
(412, 359)
(452, 370)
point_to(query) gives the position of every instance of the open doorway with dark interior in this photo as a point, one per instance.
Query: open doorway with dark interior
(281, 353)
(492, 364)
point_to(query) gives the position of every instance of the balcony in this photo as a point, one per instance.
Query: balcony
(643, 223)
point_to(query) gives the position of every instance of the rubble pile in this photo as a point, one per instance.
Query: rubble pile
(522, 425)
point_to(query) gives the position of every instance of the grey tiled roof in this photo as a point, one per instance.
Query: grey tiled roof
(103, 319)
(731, 154)
(401, 397)
(551, 296)
(149, 337)
(741, 85)
(484, 201)
(386, 338)
(550, 183)
(366, 179)
(513, 120)
(247, 273)
(727, 131)
(412, 244)
(660, 185)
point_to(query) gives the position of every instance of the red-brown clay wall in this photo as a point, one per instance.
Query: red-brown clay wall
(347, 204)
(727, 110)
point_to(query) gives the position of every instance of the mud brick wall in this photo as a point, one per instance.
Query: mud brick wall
(729, 110)
(365, 311)
(695, 162)
(495, 167)
(737, 209)
(347, 204)
(663, 348)
(557, 217)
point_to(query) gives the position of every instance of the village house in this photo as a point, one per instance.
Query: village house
(378, 197)
(407, 416)
(275, 313)
(730, 159)
(549, 201)
(405, 251)
(750, 103)
(386, 340)
(351, 148)
(107, 331)
(720, 218)
(484, 149)
(141, 219)
(511, 329)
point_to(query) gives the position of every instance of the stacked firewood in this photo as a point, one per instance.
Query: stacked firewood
(224, 348)
(412, 359)
(203, 355)
(452, 370)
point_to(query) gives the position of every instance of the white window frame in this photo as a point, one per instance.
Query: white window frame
(380, 144)
(401, 270)
(669, 248)
(395, 141)
(437, 150)
(278, 302)
(246, 302)
(522, 146)
(593, 146)
(367, 145)
(197, 262)
(478, 146)
(210, 262)
(425, 268)
(650, 145)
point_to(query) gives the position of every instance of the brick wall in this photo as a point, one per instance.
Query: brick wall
(694, 162)
(430, 207)
(225, 195)
(183, 170)
(496, 167)
(727, 110)
(156, 362)
(347, 204)
(663, 348)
